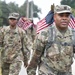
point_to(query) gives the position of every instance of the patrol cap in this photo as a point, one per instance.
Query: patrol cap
(13, 15)
(62, 9)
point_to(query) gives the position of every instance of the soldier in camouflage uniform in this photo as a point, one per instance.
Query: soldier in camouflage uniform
(53, 46)
(13, 44)
(31, 32)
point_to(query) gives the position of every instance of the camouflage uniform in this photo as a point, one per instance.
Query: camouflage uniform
(31, 32)
(0, 55)
(12, 54)
(58, 57)
(55, 59)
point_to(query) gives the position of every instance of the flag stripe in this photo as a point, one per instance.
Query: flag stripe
(43, 23)
(24, 24)
(72, 23)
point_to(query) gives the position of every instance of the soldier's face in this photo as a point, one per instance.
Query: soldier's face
(12, 21)
(62, 20)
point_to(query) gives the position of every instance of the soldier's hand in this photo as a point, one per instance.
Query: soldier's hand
(26, 19)
(25, 64)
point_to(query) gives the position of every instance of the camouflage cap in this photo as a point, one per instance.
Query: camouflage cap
(13, 15)
(62, 9)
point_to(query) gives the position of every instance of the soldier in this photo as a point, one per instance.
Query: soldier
(31, 32)
(13, 43)
(0, 55)
(30, 28)
(54, 46)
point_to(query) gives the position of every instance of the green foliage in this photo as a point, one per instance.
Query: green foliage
(5, 12)
(70, 3)
(36, 10)
(1, 20)
(13, 7)
(5, 9)
(23, 9)
(73, 11)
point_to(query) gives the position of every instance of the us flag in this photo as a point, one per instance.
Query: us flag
(24, 23)
(72, 21)
(48, 20)
(45, 22)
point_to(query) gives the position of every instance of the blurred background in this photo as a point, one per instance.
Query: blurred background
(35, 9)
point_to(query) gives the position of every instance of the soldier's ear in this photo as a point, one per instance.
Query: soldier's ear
(54, 17)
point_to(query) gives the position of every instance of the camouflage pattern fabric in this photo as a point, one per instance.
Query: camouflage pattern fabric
(0, 52)
(10, 42)
(13, 66)
(11, 69)
(30, 32)
(58, 56)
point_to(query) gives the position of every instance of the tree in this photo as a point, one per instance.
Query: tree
(5, 12)
(36, 10)
(22, 10)
(70, 3)
(5, 9)
(13, 7)
(1, 20)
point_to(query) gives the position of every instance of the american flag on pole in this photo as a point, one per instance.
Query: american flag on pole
(42, 24)
(24, 23)
(72, 21)
(45, 22)
(48, 20)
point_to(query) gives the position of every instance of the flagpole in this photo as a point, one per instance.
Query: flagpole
(27, 14)
(32, 9)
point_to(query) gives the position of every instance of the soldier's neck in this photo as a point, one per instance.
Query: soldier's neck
(12, 27)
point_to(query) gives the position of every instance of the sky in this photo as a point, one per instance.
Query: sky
(43, 4)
